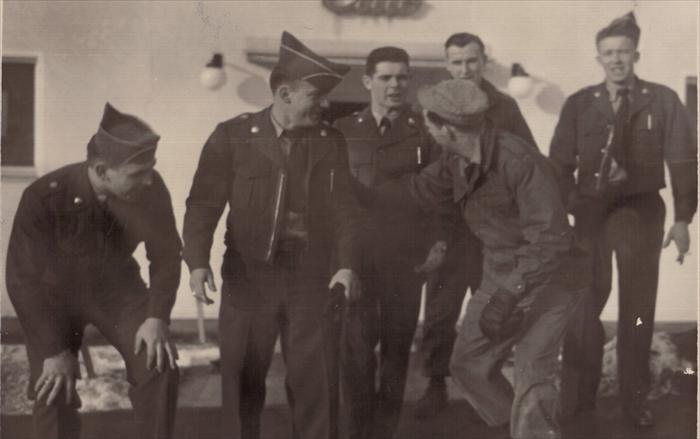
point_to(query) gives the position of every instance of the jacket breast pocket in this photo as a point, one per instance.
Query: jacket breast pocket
(645, 149)
(250, 184)
(400, 160)
(75, 235)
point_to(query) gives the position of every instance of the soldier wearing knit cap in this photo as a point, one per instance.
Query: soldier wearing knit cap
(507, 195)
(69, 264)
(292, 224)
(609, 147)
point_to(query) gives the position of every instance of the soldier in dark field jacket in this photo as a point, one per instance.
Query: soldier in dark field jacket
(70, 263)
(292, 223)
(617, 136)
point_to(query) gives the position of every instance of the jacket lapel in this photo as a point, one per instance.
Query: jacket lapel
(319, 145)
(640, 97)
(601, 102)
(404, 126)
(263, 137)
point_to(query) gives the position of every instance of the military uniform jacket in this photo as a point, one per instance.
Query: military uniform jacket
(510, 201)
(505, 114)
(65, 248)
(242, 164)
(405, 148)
(660, 131)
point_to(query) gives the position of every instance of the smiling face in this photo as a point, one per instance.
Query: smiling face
(126, 181)
(617, 55)
(388, 84)
(303, 104)
(466, 62)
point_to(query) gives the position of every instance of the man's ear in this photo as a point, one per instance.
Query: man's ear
(283, 93)
(100, 169)
(367, 82)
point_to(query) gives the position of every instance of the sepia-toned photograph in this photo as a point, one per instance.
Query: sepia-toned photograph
(349, 219)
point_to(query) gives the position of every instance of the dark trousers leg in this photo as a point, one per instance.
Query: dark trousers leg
(153, 394)
(247, 343)
(303, 345)
(399, 308)
(445, 291)
(59, 420)
(635, 233)
(360, 336)
(633, 230)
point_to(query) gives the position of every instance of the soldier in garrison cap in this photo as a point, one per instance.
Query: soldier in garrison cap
(615, 137)
(70, 263)
(386, 140)
(465, 58)
(292, 227)
(508, 196)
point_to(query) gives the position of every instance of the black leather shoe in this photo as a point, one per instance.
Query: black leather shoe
(640, 416)
(432, 402)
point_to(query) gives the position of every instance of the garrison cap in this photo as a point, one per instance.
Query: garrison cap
(625, 26)
(123, 138)
(298, 62)
(458, 101)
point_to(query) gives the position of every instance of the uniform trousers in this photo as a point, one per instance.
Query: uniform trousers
(632, 228)
(287, 299)
(117, 313)
(531, 404)
(387, 315)
(445, 291)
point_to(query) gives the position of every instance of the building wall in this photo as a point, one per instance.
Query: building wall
(145, 58)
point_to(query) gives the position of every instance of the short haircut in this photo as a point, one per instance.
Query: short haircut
(385, 54)
(463, 39)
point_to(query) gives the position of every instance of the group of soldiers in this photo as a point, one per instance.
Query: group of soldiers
(332, 230)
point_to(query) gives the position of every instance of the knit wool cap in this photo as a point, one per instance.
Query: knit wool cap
(458, 101)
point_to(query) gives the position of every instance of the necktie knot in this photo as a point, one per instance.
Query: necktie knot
(384, 125)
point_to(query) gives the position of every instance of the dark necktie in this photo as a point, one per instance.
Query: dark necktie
(384, 126)
(295, 149)
(621, 128)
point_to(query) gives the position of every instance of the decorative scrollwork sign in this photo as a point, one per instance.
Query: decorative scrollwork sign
(377, 8)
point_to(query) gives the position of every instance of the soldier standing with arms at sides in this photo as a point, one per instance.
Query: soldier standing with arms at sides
(617, 136)
(465, 59)
(386, 140)
(70, 263)
(292, 222)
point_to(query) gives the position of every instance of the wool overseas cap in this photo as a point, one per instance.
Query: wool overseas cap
(625, 26)
(298, 62)
(458, 101)
(123, 138)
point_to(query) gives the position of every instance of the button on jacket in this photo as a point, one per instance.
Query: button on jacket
(67, 246)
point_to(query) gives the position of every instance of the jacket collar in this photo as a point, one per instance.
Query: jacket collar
(641, 95)
(263, 137)
(466, 176)
(79, 191)
(405, 125)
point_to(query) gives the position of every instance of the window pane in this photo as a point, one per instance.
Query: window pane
(17, 113)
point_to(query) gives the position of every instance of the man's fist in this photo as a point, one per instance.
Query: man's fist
(500, 318)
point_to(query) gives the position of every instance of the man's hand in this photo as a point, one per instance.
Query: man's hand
(679, 233)
(434, 258)
(500, 319)
(348, 279)
(199, 277)
(59, 371)
(154, 334)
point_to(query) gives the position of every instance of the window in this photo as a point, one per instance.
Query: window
(18, 111)
(691, 101)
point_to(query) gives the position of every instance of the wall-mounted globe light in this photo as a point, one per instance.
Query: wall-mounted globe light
(520, 84)
(213, 76)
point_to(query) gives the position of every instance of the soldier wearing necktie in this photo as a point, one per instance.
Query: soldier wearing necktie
(292, 224)
(385, 141)
(617, 136)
